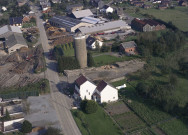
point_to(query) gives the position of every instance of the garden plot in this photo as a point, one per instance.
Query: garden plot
(117, 108)
(127, 120)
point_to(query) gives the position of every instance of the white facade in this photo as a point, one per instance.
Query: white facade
(93, 46)
(108, 10)
(86, 90)
(108, 94)
(4, 8)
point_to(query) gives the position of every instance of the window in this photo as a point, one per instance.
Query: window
(89, 93)
(86, 90)
(113, 97)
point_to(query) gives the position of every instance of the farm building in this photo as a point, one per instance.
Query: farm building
(129, 48)
(82, 13)
(70, 24)
(107, 9)
(13, 38)
(107, 27)
(91, 20)
(146, 25)
(103, 92)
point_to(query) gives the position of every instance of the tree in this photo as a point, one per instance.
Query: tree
(26, 127)
(52, 131)
(173, 80)
(91, 107)
(90, 60)
(7, 115)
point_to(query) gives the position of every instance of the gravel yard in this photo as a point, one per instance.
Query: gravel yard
(41, 112)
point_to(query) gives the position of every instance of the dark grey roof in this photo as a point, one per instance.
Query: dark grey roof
(15, 38)
(15, 20)
(81, 80)
(65, 21)
(129, 44)
(90, 41)
(102, 84)
(105, 6)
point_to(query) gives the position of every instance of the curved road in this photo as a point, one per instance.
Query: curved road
(61, 102)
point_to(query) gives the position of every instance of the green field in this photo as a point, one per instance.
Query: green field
(98, 123)
(174, 127)
(108, 59)
(178, 16)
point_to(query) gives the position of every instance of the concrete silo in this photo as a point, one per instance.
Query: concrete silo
(80, 49)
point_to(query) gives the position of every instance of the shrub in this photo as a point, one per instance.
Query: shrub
(91, 107)
(26, 127)
(52, 131)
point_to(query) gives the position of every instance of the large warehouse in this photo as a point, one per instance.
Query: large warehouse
(70, 24)
(105, 27)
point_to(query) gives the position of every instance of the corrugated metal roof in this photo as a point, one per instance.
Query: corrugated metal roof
(91, 20)
(82, 13)
(65, 21)
(103, 27)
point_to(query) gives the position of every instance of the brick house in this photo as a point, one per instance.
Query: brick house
(128, 48)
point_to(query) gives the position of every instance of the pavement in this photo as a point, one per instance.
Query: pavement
(61, 102)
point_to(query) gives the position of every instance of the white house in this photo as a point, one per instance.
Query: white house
(4, 8)
(92, 43)
(105, 93)
(101, 93)
(107, 9)
(84, 89)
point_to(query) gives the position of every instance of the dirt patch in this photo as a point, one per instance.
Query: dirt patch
(117, 108)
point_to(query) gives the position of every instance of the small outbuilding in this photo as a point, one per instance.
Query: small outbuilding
(128, 48)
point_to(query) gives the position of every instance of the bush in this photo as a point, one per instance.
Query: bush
(89, 106)
(26, 127)
(52, 131)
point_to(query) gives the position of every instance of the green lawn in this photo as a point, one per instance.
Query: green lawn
(174, 127)
(108, 59)
(178, 16)
(99, 123)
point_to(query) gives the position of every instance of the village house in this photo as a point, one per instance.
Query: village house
(146, 25)
(16, 21)
(182, 3)
(138, 3)
(92, 43)
(103, 92)
(146, 6)
(4, 8)
(107, 9)
(128, 48)
(13, 38)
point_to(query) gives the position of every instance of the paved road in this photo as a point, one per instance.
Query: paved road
(61, 102)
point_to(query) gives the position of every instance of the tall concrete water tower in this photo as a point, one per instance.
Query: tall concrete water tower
(80, 49)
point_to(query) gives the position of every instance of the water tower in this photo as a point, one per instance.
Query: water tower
(80, 49)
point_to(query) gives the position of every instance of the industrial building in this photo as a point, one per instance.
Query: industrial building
(80, 49)
(70, 24)
(105, 27)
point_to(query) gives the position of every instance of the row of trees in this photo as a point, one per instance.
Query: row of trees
(161, 46)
